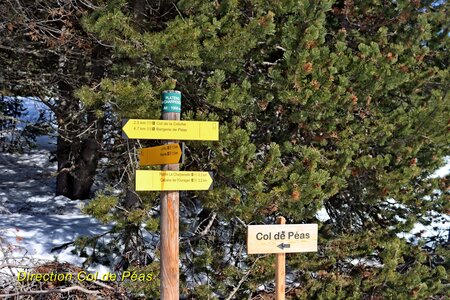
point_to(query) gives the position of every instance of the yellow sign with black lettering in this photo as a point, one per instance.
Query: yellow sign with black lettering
(161, 155)
(151, 180)
(171, 130)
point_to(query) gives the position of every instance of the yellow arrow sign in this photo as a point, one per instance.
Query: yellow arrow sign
(161, 155)
(171, 130)
(150, 180)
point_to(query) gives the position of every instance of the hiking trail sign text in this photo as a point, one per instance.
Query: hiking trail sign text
(150, 180)
(160, 155)
(291, 238)
(171, 130)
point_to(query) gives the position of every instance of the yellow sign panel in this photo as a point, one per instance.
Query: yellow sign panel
(160, 155)
(289, 238)
(171, 130)
(150, 180)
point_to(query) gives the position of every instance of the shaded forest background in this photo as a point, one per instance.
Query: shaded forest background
(341, 105)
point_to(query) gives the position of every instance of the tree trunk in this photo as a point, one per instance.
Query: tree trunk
(64, 179)
(88, 160)
(78, 158)
(66, 141)
(79, 144)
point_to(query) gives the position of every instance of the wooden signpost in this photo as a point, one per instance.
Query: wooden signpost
(281, 239)
(170, 180)
(160, 155)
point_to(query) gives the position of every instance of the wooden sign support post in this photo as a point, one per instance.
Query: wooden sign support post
(281, 239)
(170, 203)
(170, 180)
(280, 269)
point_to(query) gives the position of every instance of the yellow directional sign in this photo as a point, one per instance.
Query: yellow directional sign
(171, 130)
(290, 238)
(161, 155)
(149, 180)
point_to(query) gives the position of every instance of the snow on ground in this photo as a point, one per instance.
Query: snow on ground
(32, 219)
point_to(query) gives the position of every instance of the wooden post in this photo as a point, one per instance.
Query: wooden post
(170, 203)
(280, 270)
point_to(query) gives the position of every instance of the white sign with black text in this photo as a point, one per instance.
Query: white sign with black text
(291, 238)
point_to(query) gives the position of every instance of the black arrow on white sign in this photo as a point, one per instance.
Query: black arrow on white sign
(283, 245)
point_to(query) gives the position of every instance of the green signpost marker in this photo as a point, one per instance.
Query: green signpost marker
(171, 101)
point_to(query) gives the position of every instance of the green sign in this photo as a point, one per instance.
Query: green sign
(171, 101)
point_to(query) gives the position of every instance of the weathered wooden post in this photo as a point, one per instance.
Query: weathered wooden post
(170, 202)
(280, 270)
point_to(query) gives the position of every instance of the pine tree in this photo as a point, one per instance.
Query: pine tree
(45, 54)
(331, 104)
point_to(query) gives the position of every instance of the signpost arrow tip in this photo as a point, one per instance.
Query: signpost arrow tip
(124, 124)
(210, 180)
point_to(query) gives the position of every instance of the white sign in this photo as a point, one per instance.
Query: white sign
(289, 238)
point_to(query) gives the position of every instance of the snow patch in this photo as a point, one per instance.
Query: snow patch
(33, 221)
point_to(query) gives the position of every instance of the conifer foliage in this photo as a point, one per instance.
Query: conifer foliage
(335, 104)
(341, 105)
(321, 103)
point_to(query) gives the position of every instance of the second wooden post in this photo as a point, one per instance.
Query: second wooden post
(280, 269)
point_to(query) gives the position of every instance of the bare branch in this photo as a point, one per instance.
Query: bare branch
(243, 279)
(204, 232)
(41, 292)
